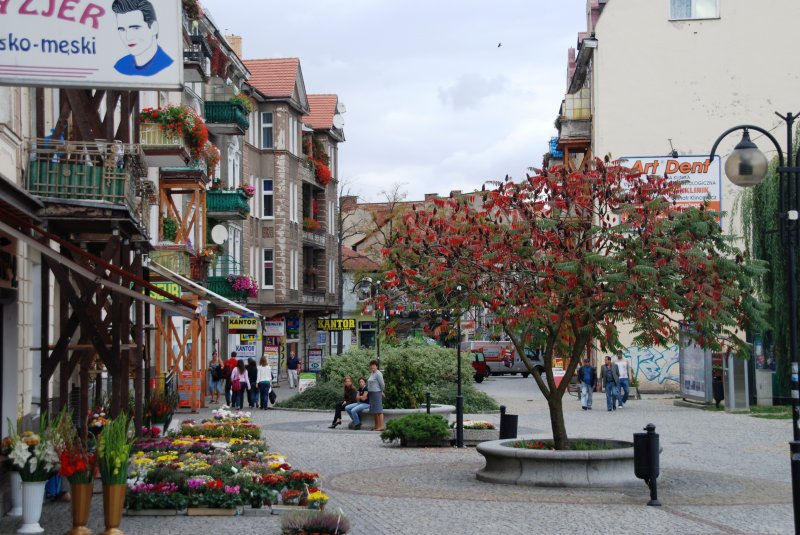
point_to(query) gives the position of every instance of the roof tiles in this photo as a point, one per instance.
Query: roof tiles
(274, 77)
(323, 108)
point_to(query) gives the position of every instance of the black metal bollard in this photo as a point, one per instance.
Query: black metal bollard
(646, 464)
(718, 389)
(428, 402)
(508, 424)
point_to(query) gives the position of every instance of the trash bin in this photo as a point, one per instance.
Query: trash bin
(508, 424)
(646, 451)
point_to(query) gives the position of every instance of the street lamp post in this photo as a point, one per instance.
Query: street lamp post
(459, 395)
(747, 166)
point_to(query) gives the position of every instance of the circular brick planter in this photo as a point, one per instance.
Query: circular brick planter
(550, 468)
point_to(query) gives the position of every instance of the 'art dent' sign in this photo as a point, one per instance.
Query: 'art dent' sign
(242, 325)
(702, 178)
(114, 44)
(336, 325)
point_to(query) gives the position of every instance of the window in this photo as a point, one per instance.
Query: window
(331, 218)
(266, 130)
(293, 203)
(267, 210)
(693, 9)
(293, 268)
(331, 276)
(235, 243)
(292, 137)
(268, 280)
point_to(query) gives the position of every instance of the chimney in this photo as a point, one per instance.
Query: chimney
(431, 196)
(348, 202)
(236, 44)
(455, 193)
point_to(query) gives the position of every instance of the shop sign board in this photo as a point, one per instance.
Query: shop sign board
(171, 288)
(272, 353)
(274, 328)
(245, 351)
(336, 324)
(695, 369)
(108, 44)
(242, 325)
(190, 381)
(702, 177)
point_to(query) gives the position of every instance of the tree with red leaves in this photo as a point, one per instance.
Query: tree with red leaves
(563, 258)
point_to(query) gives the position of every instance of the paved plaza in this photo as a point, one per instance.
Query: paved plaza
(721, 473)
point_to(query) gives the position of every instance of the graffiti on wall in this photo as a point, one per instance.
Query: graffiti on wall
(656, 365)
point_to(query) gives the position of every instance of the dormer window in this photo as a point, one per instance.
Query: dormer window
(693, 9)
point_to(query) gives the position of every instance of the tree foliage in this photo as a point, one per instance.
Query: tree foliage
(563, 258)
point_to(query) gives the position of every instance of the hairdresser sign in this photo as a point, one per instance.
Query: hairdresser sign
(113, 44)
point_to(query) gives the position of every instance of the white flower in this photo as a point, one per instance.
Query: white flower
(19, 455)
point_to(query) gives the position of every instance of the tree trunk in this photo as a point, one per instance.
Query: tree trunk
(554, 403)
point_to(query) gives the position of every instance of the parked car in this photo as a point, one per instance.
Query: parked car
(479, 367)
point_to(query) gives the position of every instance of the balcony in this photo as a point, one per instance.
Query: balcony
(317, 238)
(162, 149)
(222, 268)
(227, 205)
(226, 118)
(173, 258)
(86, 171)
(184, 176)
(195, 59)
(198, 268)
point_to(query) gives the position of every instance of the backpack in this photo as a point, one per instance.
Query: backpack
(226, 372)
(216, 372)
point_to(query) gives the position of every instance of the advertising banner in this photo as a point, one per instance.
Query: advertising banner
(702, 177)
(171, 288)
(695, 363)
(189, 381)
(315, 360)
(272, 353)
(306, 380)
(274, 328)
(110, 44)
(336, 324)
(245, 351)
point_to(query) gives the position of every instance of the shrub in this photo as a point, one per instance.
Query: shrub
(416, 427)
(475, 401)
(314, 522)
(321, 396)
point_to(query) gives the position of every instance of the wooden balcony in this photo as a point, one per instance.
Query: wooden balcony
(97, 173)
(227, 205)
(162, 149)
(226, 118)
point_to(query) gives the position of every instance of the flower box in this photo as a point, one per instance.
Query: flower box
(211, 511)
(283, 509)
(473, 437)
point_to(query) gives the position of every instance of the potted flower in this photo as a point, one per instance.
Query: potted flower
(317, 500)
(164, 495)
(78, 466)
(160, 407)
(242, 100)
(212, 497)
(298, 522)
(169, 229)
(323, 173)
(309, 223)
(247, 189)
(192, 9)
(291, 496)
(36, 459)
(244, 283)
(113, 452)
(212, 156)
(179, 122)
(15, 481)
(477, 431)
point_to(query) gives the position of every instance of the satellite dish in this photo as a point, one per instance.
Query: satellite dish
(341, 108)
(363, 290)
(338, 122)
(219, 234)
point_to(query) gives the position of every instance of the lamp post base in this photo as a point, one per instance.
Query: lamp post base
(460, 421)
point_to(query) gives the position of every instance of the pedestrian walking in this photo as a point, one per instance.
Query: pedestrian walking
(625, 371)
(240, 383)
(350, 393)
(587, 377)
(609, 375)
(361, 404)
(227, 369)
(292, 365)
(375, 388)
(215, 383)
(264, 382)
(252, 376)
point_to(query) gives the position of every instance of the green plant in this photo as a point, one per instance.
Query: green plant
(169, 229)
(299, 522)
(155, 496)
(405, 383)
(242, 100)
(416, 427)
(161, 405)
(322, 395)
(475, 401)
(114, 450)
(778, 412)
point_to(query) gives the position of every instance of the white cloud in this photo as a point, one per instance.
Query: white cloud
(432, 102)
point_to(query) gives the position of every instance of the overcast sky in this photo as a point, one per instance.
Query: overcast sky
(433, 103)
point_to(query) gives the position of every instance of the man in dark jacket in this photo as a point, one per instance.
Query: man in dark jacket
(587, 377)
(227, 368)
(609, 375)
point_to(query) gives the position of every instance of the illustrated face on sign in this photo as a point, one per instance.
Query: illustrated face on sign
(140, 37)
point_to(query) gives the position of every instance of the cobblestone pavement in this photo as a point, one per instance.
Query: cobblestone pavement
(721, 473)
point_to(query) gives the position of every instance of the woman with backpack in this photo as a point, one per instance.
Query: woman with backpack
(240, 383)
(215, 371)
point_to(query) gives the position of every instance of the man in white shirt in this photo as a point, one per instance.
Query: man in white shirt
(624, 368)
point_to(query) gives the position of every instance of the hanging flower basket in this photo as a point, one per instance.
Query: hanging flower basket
(322, 172)
(179, 121)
